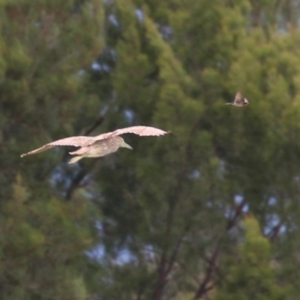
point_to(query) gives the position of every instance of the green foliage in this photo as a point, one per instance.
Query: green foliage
(42, 247)
(42, 59)
(43, 239)
(249, 273)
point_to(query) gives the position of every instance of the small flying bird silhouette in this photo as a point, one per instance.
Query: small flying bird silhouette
(239, 100)
(99, 145)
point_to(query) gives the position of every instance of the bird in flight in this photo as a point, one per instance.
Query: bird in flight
(99, 145)
(239, 100)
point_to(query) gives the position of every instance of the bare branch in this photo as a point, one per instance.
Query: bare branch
(203, 288)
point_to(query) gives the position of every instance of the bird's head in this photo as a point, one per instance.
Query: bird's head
(124, 145)
(245, 101)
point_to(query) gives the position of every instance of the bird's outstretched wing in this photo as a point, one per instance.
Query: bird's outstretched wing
(76, 141)
(139, 130)
(239, 98)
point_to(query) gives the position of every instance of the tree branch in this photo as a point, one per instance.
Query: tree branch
(203, 288)
(210, 271)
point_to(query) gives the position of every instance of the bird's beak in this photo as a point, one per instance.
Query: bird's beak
(127, 146)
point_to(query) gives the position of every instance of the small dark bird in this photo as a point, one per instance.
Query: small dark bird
(239, 100)
(99, 145)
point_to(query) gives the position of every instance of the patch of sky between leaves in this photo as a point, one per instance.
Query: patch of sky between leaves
(129, 115)
(273, 220)
(272, 201)
(113, 20)
(59, 177)
(123, 256)
(195, 174)
(103, 67)
(165, 31)
(138, 12)
(238, 199)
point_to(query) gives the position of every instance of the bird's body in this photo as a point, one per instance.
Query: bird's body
(99, 145)
(239, 100)
(99, 148)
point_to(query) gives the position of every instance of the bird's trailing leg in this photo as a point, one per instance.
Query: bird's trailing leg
(75, 159)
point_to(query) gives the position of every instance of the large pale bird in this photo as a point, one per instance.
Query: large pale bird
(239, 100)
(99, 145)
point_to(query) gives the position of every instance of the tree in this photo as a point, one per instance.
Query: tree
(218, 163)
(45, 50)
(248, 273)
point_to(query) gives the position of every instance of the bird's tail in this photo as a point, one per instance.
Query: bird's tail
(75, 159)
